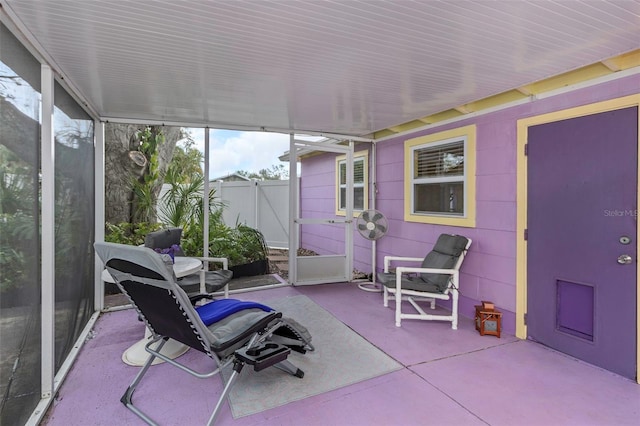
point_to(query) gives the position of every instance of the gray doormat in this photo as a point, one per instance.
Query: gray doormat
(341, 358)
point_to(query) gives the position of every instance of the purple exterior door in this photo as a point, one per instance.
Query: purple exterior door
(582, 219)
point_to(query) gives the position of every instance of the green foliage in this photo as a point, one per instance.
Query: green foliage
(248, 245)
(129, 233)
(240, 245)
(18, 220)
(16, 183)
(181, 206)
(144, 188)
(145, 200)
(20, 215)
(275, 172)
(149, 142)
(193, 232)
(182, 203)
(185, 164)
(15, 252)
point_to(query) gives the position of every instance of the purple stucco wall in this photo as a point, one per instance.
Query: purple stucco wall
(489, 272)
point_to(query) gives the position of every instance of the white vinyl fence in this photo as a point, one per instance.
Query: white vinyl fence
(263, 205)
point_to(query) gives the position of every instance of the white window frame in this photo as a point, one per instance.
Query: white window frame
(443, 179)
(362, 156)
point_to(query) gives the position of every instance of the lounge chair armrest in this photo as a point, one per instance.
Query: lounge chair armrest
(389, 259)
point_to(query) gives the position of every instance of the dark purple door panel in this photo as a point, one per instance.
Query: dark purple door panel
(582, 190)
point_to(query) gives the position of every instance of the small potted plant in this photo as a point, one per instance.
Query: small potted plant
(251, 253)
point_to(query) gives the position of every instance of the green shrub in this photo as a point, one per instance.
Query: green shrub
(129, 233)
(240, 245)
(182, 207)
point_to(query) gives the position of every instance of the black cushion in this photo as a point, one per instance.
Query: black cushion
(213, 280)
(408, 282)
(444, 255)
(164, 239)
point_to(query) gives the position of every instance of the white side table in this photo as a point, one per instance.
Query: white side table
(136, 354)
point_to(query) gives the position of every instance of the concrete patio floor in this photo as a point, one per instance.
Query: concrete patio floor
(449, 378)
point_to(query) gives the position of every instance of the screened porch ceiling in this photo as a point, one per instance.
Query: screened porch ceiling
(330, 67)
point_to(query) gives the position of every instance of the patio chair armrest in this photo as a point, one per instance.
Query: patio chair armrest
(225, 266)
(389, 259)
(404, 270)
(223, 260)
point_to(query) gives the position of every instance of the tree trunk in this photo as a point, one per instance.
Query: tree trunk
(121, 168)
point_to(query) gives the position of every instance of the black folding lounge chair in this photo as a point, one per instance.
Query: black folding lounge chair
(169, 239)
(228, 331)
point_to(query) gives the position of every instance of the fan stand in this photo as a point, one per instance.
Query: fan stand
(372, 286)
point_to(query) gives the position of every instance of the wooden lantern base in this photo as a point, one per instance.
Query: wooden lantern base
(488, 321)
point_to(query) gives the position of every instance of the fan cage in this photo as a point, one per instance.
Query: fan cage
(372, 224)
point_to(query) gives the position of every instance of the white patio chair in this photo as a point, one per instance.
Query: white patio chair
(436, 278)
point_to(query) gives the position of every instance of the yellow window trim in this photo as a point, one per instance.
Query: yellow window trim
(356, 155)
(469, 220)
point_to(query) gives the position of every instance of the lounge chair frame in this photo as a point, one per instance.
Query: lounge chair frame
(149, 283)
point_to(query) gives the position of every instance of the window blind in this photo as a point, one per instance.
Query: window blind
(441, 160)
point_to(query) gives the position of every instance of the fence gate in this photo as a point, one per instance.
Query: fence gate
(262, 205)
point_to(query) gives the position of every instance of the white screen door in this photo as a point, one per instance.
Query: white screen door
(325, 268)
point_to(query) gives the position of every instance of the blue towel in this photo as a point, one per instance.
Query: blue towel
(219, 309)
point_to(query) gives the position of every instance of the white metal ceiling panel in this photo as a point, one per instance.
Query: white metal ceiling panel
(348, 67)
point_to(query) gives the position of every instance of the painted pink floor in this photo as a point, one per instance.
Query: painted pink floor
(450, 378)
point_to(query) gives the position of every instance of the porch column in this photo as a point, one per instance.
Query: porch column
(48, 267)
(98, 299)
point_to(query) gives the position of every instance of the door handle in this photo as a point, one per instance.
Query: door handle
(625, 259)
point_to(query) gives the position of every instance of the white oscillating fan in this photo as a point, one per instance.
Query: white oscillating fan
(372, 225)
